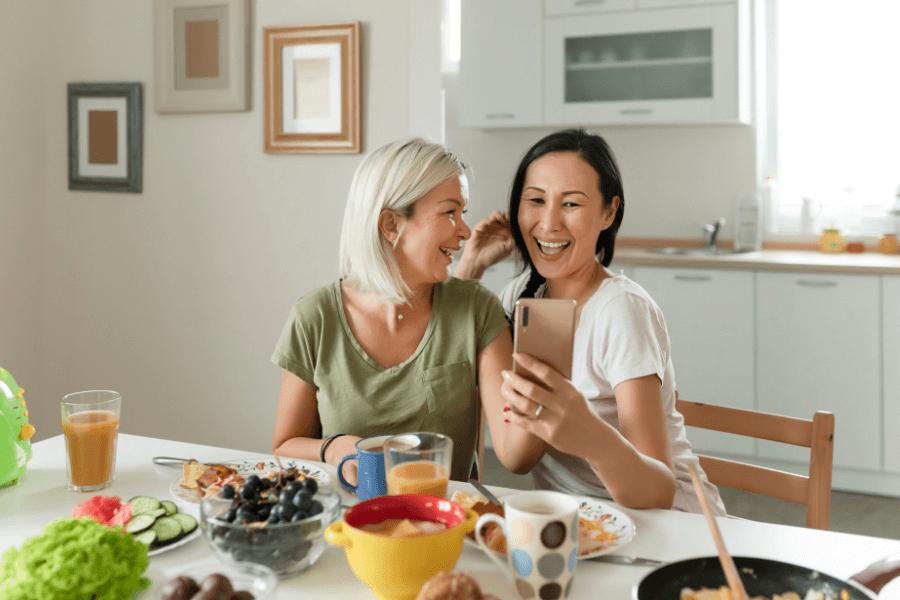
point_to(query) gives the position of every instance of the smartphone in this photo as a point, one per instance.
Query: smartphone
(545, 329)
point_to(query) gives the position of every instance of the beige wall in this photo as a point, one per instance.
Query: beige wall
(176, 296)
(23, 58)
(674, 177)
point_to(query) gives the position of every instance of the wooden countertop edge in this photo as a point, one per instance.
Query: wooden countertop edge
(796, 257)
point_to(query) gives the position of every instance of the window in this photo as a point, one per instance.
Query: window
(450, 35)
(833, 114)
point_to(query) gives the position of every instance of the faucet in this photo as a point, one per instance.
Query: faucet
(711, 232)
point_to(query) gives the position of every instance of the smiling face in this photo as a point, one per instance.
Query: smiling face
(432, 234)
(561, 215)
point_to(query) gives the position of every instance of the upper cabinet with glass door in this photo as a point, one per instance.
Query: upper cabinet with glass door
(668, 65)
(604, 62)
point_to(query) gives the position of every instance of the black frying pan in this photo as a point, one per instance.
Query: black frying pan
(761, 577)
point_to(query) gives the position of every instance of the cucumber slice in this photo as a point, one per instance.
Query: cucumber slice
(142, 504)
(170, 507)
(188, 523)
(139, 523)
(148, 538)
(156, 513)
(167, 529)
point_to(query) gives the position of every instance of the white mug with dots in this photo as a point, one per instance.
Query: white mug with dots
(541, 531)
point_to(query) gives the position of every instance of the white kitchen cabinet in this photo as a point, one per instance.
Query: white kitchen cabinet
(578, 7)
(500, 63)
(709, 315)
(890, 306)
(817, 350)
(671, 3)
(673, 65)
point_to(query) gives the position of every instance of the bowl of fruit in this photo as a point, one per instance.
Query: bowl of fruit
(278, 521)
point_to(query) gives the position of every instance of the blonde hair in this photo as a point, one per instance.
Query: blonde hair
(393, 177)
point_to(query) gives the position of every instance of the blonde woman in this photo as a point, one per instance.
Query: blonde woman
(395, 345)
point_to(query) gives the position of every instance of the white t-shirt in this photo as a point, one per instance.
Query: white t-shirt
(621, 335)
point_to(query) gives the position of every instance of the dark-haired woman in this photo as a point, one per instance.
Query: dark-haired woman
(612, 431)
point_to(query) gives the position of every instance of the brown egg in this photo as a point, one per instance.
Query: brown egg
(215, 587)
(180, 588)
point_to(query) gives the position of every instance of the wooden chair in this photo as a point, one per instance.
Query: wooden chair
(817, 434)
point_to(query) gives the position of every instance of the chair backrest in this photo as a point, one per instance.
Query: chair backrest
(817, 434)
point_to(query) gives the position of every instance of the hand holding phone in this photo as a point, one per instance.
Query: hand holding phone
(545, 329)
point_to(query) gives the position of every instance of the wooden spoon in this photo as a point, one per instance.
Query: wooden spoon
(731, 572)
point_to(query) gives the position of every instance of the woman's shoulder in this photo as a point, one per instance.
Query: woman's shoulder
(318, 302)
(620, 294)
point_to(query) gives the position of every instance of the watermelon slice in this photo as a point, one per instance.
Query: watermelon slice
(122, 516)
(99, 508)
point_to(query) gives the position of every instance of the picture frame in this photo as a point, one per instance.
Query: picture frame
(201, 55)
(106, 137)
(313, 94)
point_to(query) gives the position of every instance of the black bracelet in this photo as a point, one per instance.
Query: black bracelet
(325, 444)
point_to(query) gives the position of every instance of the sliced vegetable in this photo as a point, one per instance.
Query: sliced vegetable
(167, 529)
(140, 523)
(148, 538)
(170, 507)
(187, 522)
(142, 504)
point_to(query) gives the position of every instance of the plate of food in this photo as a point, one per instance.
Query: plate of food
(200, 480)
(601, 528)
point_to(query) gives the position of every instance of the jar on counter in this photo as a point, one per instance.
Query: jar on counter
(832, 241)
(890, 244)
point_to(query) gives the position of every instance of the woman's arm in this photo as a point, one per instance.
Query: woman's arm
(640, 474)
(296, 424)
(518, 450)
(635, 465)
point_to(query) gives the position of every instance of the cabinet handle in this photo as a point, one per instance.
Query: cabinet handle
(500, 116)
(818, 284)
(693, 277)
(636, 111)
(584, 2)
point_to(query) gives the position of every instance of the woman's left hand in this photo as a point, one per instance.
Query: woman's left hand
(548, 406)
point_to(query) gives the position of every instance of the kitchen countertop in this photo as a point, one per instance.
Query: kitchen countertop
(867, 263)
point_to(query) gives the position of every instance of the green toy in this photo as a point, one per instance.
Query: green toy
(15, 431)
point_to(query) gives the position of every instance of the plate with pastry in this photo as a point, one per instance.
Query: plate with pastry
(201, 480)
(601, 528)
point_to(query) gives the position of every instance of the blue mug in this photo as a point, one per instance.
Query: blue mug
(370, 473)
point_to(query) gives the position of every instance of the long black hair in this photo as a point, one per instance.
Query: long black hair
(597, 153)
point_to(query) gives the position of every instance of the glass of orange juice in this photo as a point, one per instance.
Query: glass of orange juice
(90, 423)
(418, 463)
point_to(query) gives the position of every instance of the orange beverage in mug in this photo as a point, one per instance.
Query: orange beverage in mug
(418, 463)
(418, 477)
(90, 422)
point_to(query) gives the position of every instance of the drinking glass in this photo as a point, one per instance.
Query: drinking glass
(418, 463)
(90, 423)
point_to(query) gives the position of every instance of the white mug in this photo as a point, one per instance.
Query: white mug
(541, 530)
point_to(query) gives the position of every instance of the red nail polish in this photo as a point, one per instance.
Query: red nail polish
(506, 409)
(506, 420)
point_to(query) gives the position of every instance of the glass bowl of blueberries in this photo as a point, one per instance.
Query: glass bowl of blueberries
(278, 522)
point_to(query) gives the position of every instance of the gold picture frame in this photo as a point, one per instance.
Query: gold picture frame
(201, 55)
(313, 94)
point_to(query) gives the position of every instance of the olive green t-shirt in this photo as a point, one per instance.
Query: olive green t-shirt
(433, 390)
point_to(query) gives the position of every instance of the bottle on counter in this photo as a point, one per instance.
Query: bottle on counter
(889, 244)
(832, 241)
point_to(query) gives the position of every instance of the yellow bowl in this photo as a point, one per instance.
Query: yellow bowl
(396, 568)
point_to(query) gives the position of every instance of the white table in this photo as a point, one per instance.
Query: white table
(41, 496)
